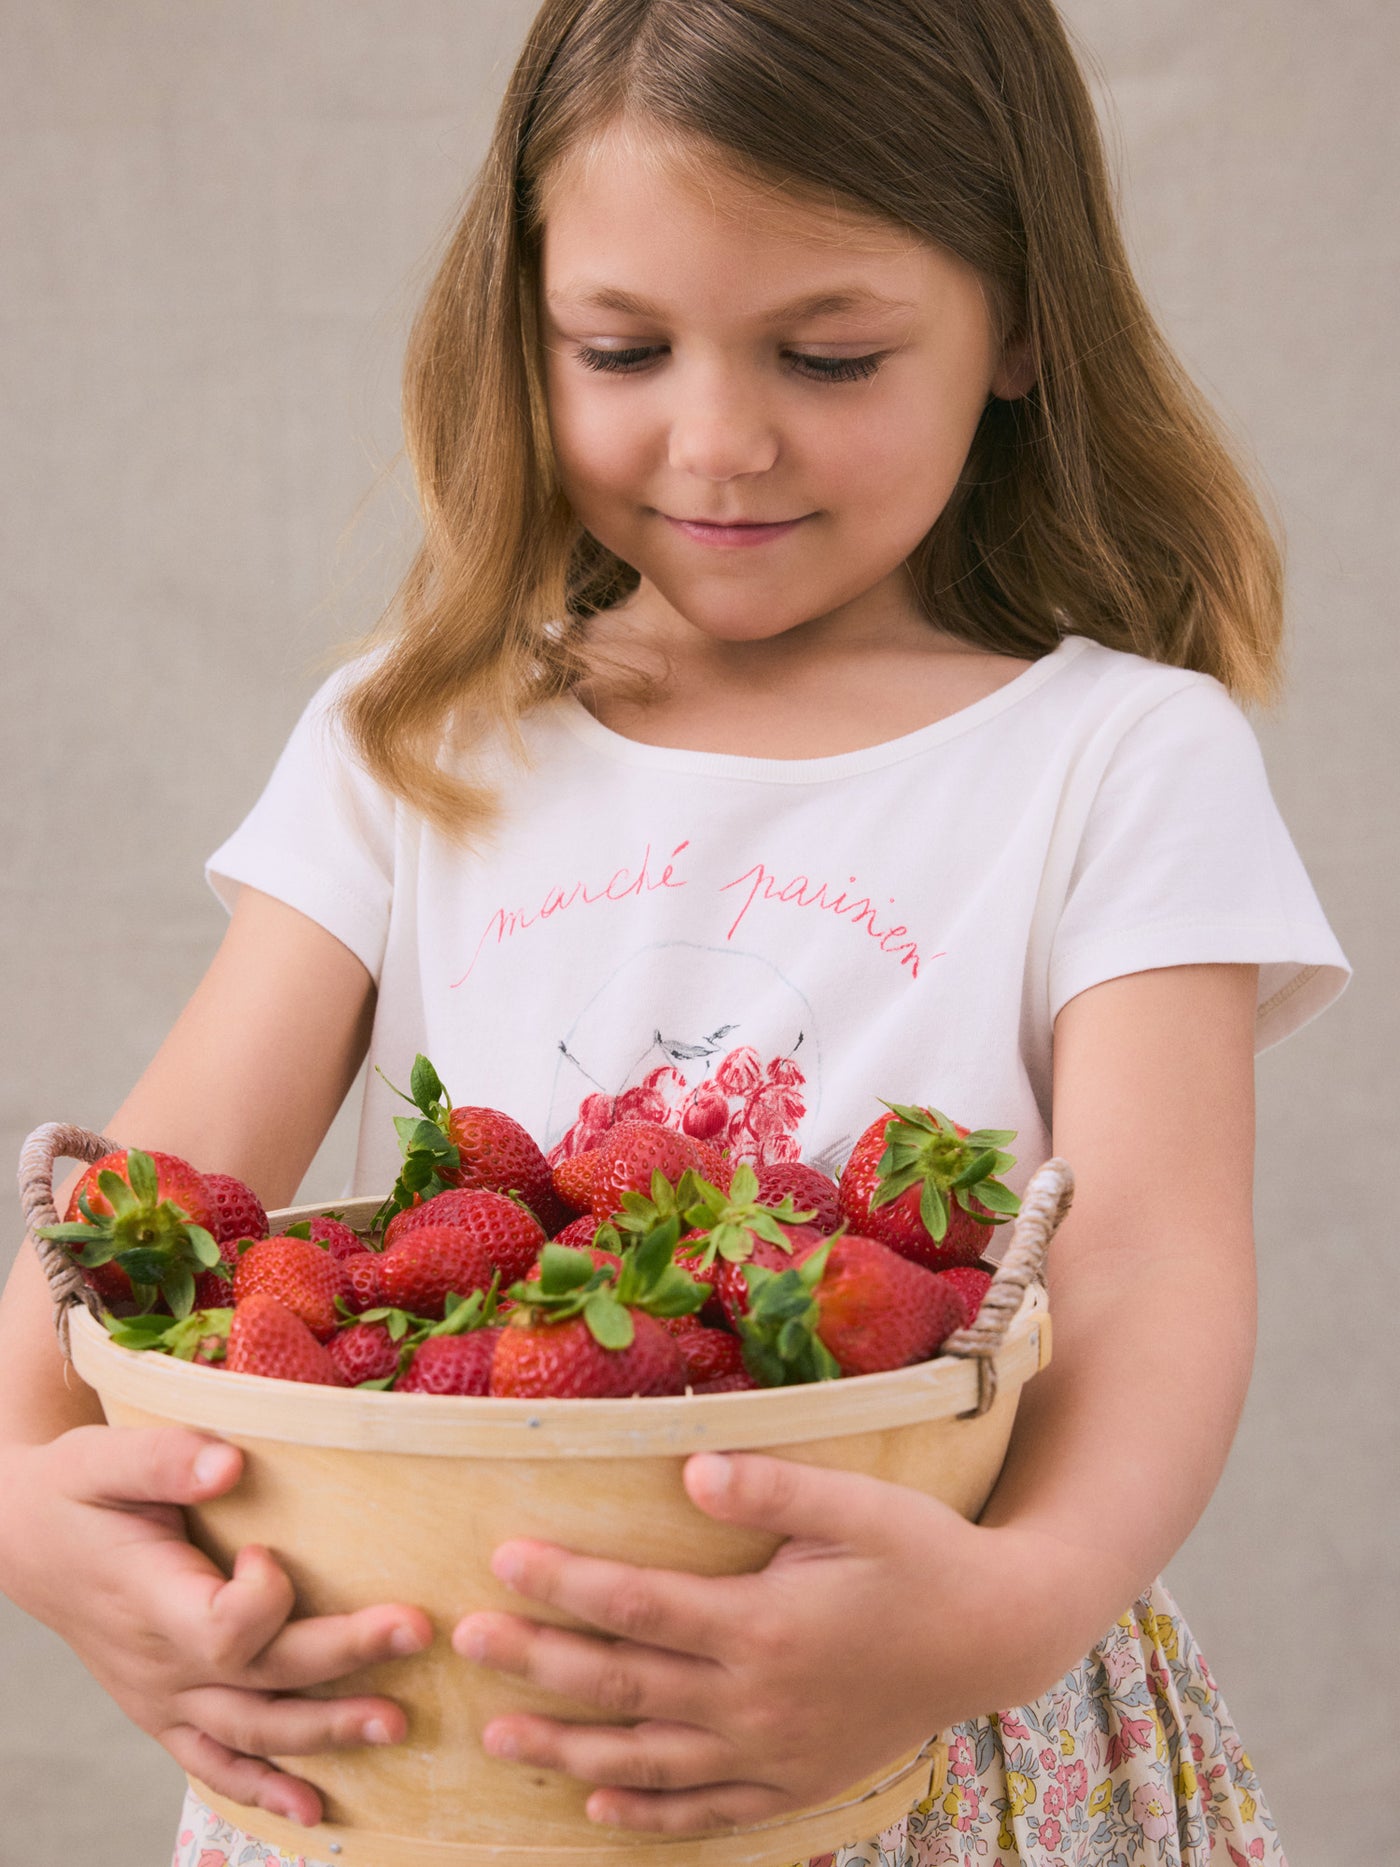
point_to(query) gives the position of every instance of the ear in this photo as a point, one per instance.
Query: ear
(1015, 373)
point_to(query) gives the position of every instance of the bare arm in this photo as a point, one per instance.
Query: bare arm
(247, 1083)
(211, 1666)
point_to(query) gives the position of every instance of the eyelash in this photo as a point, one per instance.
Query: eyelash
(817, 369)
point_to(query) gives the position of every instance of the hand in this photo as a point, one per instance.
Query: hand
(209, 1665)
(884, 1618)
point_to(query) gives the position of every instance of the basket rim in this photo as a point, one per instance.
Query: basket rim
(446, 1425)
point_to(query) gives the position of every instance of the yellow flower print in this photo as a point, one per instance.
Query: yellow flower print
(1162, 1631)
(1006, 1835)
(1101, 1798)
(1127, 1620)
(1066, 1743)
(953, 1801)
(1159, 1736)
(1186, 1781)
(1247, 1806)
(1021, 1790)
(1245, 1764)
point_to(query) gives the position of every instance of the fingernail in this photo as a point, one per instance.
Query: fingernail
(508, 1568)
(377, 1732)
(500, 1744)
(712, 1471)
(404, 1640)
(287, 1809)
(211, 1466)
(471, 1643)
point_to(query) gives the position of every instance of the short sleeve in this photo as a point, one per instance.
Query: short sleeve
(321, 836)
(1185, 860)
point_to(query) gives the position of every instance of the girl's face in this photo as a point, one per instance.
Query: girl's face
(760, 405)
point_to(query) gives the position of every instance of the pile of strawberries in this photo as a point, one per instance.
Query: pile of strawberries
(650, 1264)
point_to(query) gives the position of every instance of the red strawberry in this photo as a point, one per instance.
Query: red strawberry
(364, 1272)
(707, 1353)
(145, 1231)
(924, 1186)
(420, 1272)
(578, 1233)
(451, 1364)
(853, 1307)
(715, 1165)
(176, 1180)
(328, 1230)
(564, 1359)
(628, 1156)
(266, 1338)
(364, 1351)
(971, 1283)
(517, 1233)
(726, 1275)
(879, 1311)
(572, 1179)
(238, 1212)
(304, 1277)
(736, 1381)
(804, 1186)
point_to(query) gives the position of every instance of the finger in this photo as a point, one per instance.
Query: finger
(838, 1509)
(250, 1780)
(617, 1677)
(258, 1724)
(654, 1756)
(316, 1651)
(712, 1809)
(655, 1607)
(131, 1465)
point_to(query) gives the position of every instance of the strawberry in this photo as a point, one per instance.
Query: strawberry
(451, 1364)
(925, 1186)
(267, 1338)
(422, 1270)
(481, 1149)
(736, 1229)
(707, 1353)
(583, 1330)
(628, 1157)
(715, 1165)
(736, 1381)
(572, 1179)
(971, 1282)
(302, 1276)
(137, 1225)
(364, 1272)
(804, 1186)
(566, 1360)
(731, 1286)
(364, 1351)
(852, 1307)
(492, 1233)
(238, 1212)
(578, 1233)
(330, 1230)
(517, 1232)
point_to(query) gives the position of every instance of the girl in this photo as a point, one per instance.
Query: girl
(814, 685)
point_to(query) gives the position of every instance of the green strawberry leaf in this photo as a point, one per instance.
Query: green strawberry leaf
(141, 1173)
(998, 1198)
(302, 1230)
(933, 1211)
(425, 1087)
(177, 1286)
(976, 1169)
(562, 1269)
(73, 1234)
(203, 1246)
(119, 1196)
(609, 1323)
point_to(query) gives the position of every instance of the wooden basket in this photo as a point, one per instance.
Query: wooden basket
(367, 1497)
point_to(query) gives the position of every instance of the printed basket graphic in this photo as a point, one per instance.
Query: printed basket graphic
(367, 1497)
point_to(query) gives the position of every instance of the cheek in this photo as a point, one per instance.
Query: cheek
(599, 449)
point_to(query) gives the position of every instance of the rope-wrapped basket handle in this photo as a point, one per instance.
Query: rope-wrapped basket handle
(54, 1141)
(1045, 1202)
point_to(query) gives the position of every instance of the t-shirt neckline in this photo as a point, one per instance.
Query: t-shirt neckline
(637, 752)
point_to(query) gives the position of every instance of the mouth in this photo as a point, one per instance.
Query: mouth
(733, 531)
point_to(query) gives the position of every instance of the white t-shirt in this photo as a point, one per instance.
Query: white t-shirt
(762, 950)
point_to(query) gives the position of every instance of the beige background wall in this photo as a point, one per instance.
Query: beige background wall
(211, 215)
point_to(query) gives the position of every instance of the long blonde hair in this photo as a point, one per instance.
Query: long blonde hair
(1105, 502)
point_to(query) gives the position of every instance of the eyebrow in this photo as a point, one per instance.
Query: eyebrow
(588, 297)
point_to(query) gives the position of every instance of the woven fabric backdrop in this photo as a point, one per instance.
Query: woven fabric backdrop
(215, 219)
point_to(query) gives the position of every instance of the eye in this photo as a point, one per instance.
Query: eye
(816, 369)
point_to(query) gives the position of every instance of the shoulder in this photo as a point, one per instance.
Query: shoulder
(1109, 700)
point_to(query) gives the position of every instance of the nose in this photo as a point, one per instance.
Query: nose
(720, 429)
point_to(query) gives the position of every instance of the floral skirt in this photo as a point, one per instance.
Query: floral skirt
(1130, 1761)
